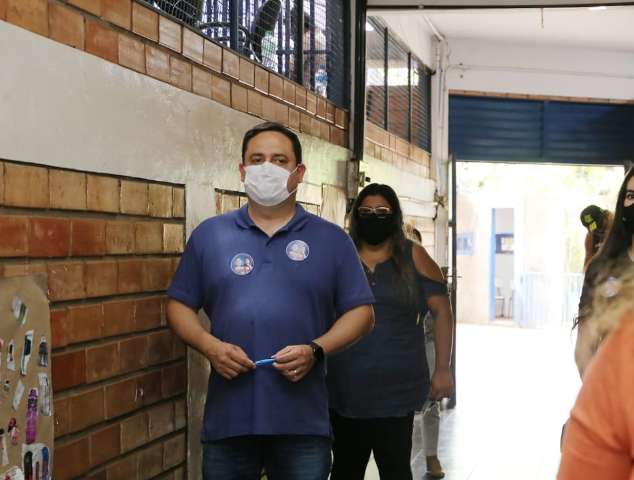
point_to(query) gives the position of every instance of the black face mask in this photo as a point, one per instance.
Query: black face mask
(375, 230)
(628, 219)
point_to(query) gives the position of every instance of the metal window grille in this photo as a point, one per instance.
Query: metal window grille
(312, 51)
(398, 86)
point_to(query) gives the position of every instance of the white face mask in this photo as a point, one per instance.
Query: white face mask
(266, 184)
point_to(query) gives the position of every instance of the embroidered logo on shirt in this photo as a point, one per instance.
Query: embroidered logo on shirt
(242, 264)
(297, 251)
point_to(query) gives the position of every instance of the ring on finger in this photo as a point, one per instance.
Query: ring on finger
(294, 372)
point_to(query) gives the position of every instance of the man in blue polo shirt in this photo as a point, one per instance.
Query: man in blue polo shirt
(277, 283)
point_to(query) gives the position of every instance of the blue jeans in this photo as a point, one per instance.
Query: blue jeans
(285, 457)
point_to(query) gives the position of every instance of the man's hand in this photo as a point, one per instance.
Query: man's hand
(294, 361)
(441, 384)
(228, 360)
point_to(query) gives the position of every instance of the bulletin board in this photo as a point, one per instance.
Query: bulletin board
(26, 400)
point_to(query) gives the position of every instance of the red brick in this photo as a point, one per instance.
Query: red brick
(102, 41)
(49, 237)
(276, 86)
(212, 55)
(133, 353)
(134, 432)
(121, 398)
(315, 127)
(14, 234)
(289, 91)
(174, 449)
(102, 193)
(311, 103)
(66, 281)
(68, 370)
(230, 64)
(261, 80)
(127, 469)
(173, 237)
(145, 22)
(3, 9)
(118, 317)
(100, 475)
(85, 322)
(170, 34)
(239, 97)
(1, 163)
(149, 387)
(247, 72)
(89, 237)
(92, 6)
(67, 190)
(29, 14)
(180, 414)
(321, 107)
(174, 380)
(161, 420)
(305, 123)
(201, 82)
(86, 409)
(120, 237)
(105, 444)
(281, 113)
(148, 313)
(149, 237)
(66, 26)
(59, 327)
(25, 186)
(151, 461)
(100, 277)
(102, 362)
(118, 12)
(130, 278)
(254, 103)
(221, 90)
(293, 118)
(160, 347)
(341, 118)
(269, 109)
(193, 45)
(157, 63)
(157, 274)
(61, 412)
(71, 459)
(180, 74)
(330, 112)
(134, 197)
(160, 200)
(131, 53)
(179, 349)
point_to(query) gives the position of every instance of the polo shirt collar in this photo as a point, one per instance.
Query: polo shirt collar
(243, 220)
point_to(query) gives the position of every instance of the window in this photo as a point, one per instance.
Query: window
(268, 32)
(398, 101)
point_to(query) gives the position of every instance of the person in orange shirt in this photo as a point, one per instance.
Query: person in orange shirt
(599, 438)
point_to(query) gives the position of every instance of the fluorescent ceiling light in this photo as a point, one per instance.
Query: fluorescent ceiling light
(597, 8)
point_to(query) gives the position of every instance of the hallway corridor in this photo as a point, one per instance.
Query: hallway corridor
(515, 390)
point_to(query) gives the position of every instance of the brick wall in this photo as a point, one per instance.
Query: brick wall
(139, 38)
(109, 246)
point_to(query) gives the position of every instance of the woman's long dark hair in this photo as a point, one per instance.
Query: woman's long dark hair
(400, 250)
(618, 240)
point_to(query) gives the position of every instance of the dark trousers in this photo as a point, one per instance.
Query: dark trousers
(285, 457)
(389, 438)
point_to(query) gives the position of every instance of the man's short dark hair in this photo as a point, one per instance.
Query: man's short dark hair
(273, 127)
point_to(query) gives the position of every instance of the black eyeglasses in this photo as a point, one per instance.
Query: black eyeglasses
(378, 211)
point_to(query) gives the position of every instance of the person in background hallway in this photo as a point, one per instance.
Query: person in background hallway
(599, 439)
(598, 222)
(616, 254)
(430, 418)
(277, 283)
(377, 385)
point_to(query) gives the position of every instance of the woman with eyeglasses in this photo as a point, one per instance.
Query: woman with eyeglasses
(377, 384)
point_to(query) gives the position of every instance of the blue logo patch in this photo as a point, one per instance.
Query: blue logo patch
(297, 251)
(242, 264)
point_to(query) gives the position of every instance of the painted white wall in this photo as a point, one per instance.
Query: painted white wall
(540, 70)
(414, 32)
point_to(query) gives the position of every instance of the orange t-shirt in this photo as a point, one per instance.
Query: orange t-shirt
(599, 439)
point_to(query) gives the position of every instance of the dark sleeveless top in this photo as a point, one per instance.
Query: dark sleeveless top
(385, 374)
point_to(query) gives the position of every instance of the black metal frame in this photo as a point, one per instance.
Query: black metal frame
(359, 80)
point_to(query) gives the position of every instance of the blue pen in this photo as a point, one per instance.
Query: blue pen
(266, 361)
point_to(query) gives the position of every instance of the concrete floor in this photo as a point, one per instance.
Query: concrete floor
(515, 389)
